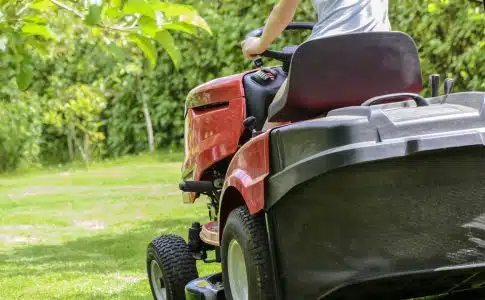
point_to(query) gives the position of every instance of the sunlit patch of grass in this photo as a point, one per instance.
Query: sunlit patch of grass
(81, 233)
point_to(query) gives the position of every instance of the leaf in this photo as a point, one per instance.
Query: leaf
(43, 5)
(35, 29)
(175, 10)
(38, 46)
(148, 26)
(96, 31)
(36, 19)
(24, 76)
(116, 51)
(166, 40)
(183, 27)
(115, 3)
(112, 12)
(94, 15)
(146, 46)
(432, 8)
(196, 20)
(140, 7)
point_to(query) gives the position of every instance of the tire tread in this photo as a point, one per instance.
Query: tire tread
(258, 248)
(178, 265)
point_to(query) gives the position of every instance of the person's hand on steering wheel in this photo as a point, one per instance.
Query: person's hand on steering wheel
(281, 15)
(252, 47)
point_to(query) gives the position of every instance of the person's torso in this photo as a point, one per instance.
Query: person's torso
(349, 16)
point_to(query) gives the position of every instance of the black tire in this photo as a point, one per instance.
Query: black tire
(250, 233)
(177, 265)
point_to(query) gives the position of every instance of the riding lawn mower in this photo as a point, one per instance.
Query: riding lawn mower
(366, 189)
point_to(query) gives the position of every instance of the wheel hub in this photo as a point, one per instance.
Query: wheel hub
(236, 267)
(157, 281)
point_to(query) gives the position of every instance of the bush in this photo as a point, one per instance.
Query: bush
(450, 35)
(20, 131)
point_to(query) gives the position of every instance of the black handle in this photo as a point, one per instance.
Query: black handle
(278, 55)
(435, 84)
(202, 187)
(448, 86)
(420, 101)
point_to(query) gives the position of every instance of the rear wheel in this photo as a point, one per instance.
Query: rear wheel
(170, 266)
(246, 264)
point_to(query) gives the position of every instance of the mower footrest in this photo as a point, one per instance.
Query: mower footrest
(207, 288)
(210, 233)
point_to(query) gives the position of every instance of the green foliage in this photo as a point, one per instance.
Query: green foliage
(26, 24)
(450, 35)
(63, 52)
(20, 131)
(76, 114)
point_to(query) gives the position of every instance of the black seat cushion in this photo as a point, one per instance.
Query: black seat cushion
(346, 70)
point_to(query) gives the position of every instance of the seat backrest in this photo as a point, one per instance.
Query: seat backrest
(346, 70)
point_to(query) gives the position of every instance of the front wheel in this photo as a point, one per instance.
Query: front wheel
(170, 266)
(246, 264)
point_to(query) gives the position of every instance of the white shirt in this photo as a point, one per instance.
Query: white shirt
(349, 16)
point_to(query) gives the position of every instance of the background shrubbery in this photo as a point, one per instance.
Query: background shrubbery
(86, 103)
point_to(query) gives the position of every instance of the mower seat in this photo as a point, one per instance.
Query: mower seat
(346, 70)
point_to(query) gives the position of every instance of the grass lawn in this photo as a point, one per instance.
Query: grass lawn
(82, 234)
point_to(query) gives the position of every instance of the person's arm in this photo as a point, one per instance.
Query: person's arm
(281, 15)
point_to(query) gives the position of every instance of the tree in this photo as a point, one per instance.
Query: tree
(25, 27)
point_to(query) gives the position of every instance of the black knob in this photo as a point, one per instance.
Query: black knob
(258, 62)
(435, 84)
(249, 123)
(448, 86)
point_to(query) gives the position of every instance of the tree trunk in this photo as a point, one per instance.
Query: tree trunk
(70, 146)
(146, 113)
(87, 152)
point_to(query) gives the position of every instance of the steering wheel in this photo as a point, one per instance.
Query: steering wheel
(282, 56)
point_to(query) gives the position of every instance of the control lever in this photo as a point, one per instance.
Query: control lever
(448, 86)
(258, 62)
(249, 124)
(435, 84)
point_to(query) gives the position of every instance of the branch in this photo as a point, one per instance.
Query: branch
(64, 6)
(79, 14)
(19, 13)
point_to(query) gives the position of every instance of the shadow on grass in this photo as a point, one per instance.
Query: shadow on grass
(98, 254)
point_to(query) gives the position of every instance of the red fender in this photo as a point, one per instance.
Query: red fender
(247, 172)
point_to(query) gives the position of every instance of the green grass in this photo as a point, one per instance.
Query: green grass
(78, 233)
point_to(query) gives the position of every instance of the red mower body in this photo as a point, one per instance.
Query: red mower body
(213, 125)
(214, 115)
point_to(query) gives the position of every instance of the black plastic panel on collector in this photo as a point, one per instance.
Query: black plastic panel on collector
(359, 134)
(376, 192)
(415, 214)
